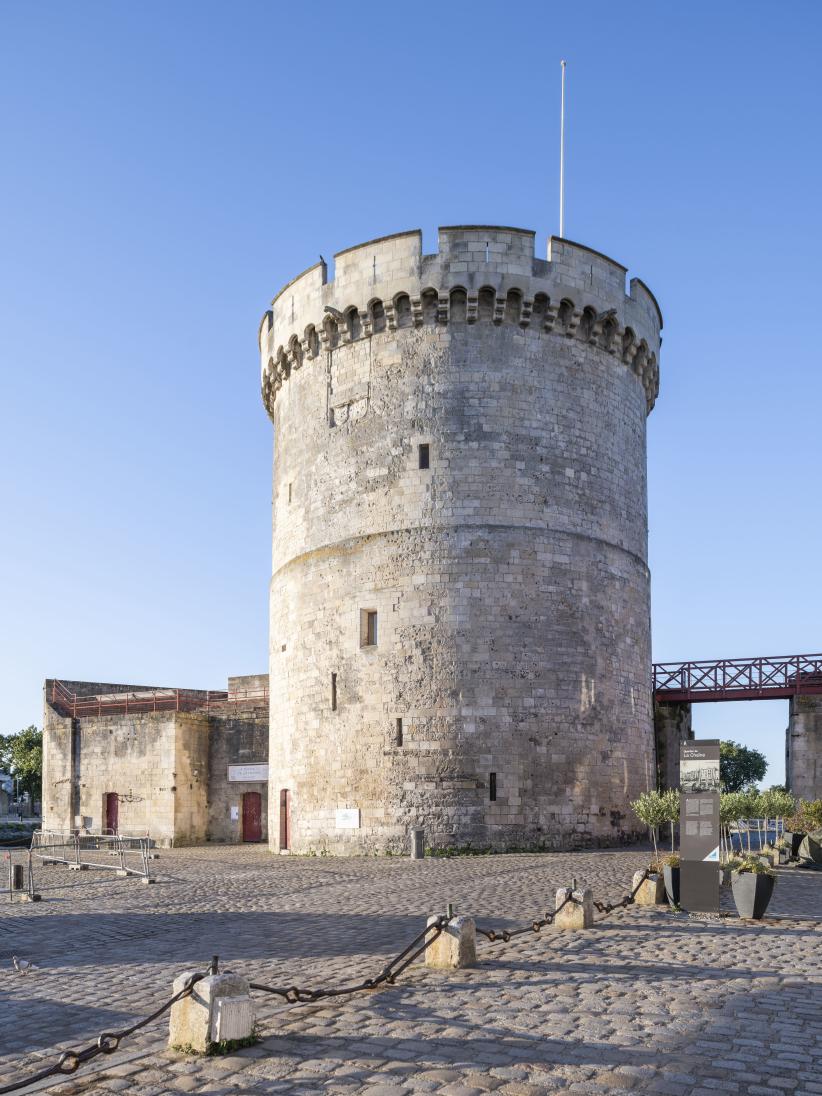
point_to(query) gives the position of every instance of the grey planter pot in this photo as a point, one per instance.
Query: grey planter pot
(752, 893)
(671, 876)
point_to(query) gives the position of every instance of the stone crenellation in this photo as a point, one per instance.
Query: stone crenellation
(480, 274)
(459, 628)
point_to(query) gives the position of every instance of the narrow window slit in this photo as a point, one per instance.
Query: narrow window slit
(492, 787)
(424, 455)
(399, 731)
(333, 692)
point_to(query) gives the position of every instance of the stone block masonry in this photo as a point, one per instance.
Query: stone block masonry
(165, 773)
(460, 591)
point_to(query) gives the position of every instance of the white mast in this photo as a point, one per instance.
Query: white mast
(562, 155)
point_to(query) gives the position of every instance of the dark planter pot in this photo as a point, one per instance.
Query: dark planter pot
(793, 841)
(752, 893)
(671, 876)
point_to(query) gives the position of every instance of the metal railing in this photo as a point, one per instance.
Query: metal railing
(139, 700)
(18, 878)
(773, 677)
(100, 851)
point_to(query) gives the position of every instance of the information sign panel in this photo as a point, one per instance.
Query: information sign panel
(348, 818)
(699, 825)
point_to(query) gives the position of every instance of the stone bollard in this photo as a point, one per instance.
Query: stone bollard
(578, 913)
(651, 892)
(219, 1008)
(456, 945)
(418, 844)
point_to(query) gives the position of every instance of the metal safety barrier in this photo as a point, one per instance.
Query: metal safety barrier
(18, 876)
(100, 851)
(107, 1042)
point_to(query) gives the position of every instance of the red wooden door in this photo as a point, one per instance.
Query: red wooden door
(112, 811)
(285, 819)
(252, 816)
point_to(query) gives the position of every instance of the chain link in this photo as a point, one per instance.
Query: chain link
(109, 1041)
(106, 1043)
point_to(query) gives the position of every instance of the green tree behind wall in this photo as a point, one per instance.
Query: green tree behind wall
(740, 767)
(21, 755)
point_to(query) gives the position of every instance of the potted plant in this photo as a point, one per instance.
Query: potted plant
(752, 884)
(670, 873)
(652, 809)
(727, 869)
(795, 829)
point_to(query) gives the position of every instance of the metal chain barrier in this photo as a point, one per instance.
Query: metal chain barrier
(106, 1043)
(388, 975)
(628, 900)
(109, 1041)
(504, 935)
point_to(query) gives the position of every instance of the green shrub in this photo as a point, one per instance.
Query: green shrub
(753, 865)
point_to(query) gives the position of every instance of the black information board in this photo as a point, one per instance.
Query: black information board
(699, 825)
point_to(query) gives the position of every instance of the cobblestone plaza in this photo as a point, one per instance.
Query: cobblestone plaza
(646, 1001)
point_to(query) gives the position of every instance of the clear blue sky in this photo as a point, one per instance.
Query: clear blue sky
(166, 167)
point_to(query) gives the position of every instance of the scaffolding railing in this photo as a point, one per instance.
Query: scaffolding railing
(139, 700)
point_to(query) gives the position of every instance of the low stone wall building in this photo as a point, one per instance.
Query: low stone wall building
(184, 766)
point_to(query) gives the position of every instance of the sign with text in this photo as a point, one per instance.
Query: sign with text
(699, 825)
(348, 818)
(251, 774)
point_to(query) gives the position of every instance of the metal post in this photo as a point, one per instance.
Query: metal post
(562, 155)
(418, 844)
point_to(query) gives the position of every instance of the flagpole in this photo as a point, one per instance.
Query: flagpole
(562, 155)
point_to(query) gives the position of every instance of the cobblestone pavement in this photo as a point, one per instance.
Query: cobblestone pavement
(647, 1001)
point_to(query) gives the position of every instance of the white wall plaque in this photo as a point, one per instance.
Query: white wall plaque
(348, 818)
(253, 773)
(235, 814)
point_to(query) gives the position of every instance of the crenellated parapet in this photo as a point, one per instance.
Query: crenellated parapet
(479, 275)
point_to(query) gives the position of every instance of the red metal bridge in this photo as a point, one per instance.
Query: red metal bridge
(779, 677)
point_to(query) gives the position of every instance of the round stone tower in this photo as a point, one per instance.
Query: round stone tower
(460, 633)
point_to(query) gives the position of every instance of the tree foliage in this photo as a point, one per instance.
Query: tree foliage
(740, 767)
(21, 755)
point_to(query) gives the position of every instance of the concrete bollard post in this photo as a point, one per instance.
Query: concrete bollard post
(219, 1008)
(576, 914)
(456, 945)
(418, 844)
(651, 892)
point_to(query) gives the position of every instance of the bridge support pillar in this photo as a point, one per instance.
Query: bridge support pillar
(672, 725)
(803, 747)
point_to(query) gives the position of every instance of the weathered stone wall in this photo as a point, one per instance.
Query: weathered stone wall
(169, 769)
(239, 736)
(672, 727)
(509, 578)
(132, 755)
(803, 747)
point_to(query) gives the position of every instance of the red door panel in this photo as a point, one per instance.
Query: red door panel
(252, 817)
(285, 819)
(112, 811)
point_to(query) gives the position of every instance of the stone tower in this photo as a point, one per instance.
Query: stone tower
(460, 634)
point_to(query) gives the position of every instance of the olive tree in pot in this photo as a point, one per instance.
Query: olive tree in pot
(670, 864)
(651, 809)
(752, 884)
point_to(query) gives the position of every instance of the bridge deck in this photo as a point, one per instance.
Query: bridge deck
(770, 678)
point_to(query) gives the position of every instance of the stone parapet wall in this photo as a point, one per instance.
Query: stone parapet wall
(480, 274)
